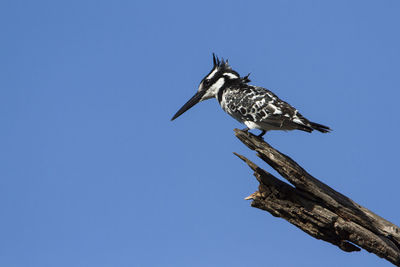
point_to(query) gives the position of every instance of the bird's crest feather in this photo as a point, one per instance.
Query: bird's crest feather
(220, 63)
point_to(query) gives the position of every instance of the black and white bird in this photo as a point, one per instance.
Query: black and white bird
(256, 107)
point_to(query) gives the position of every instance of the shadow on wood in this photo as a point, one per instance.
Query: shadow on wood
(316, 208)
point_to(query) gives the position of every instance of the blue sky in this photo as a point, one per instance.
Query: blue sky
(94, 173)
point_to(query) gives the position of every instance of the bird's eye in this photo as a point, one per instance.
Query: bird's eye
(206, 82)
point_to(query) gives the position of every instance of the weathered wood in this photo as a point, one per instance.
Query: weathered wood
(316, 208)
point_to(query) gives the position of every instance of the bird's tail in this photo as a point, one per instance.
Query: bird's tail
(320, 127)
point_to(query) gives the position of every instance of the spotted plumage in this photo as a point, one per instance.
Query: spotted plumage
(256, 107)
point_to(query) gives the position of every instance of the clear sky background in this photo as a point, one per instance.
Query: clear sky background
(94, 173)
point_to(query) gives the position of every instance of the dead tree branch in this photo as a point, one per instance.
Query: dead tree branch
(316, 208)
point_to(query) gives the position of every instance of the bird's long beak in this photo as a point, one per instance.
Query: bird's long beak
(193, 101)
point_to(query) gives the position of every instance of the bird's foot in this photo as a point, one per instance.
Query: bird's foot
(246, 129)
(262, 134)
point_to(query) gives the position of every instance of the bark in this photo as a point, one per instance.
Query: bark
(315, 208)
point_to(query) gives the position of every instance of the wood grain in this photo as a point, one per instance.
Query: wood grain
(316, 208)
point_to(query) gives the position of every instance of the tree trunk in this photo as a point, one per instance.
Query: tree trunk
(316, 208)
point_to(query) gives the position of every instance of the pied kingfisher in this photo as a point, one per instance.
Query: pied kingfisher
(256, 107)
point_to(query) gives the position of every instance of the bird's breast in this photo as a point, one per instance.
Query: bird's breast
(230, 103)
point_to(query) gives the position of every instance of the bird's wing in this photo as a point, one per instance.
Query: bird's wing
(281, 114)
(260, 105)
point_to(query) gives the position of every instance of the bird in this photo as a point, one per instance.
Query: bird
(254, 106)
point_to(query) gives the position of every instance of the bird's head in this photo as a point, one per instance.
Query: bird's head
(221, 75)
